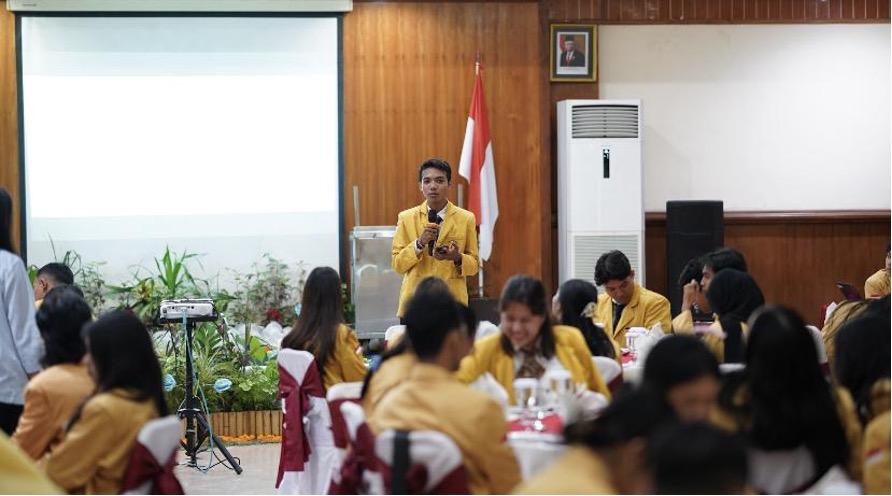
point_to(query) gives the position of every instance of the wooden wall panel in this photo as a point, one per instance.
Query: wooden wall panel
(796, 257)
(408, 72)
(9, 124)
(718, 11)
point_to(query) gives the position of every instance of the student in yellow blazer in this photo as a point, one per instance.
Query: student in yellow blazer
(797, 425)
(52, 396)
(606, 455)
(320, 330)
(93, 456)
(454, 238)
(733, 296)
(695, 280)
(878, 284)
(19, 474)
(431, 399)
(624, 303)
(528, 345)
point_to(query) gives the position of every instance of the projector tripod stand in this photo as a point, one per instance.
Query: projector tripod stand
(197, 429)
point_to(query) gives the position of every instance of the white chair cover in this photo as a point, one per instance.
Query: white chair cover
(325, 458)
(608, 368)
(485, 328)
(434, 450)
(393, 333)
(161, 438)
(344, 391)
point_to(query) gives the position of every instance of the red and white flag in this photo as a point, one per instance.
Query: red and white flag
(478, 168)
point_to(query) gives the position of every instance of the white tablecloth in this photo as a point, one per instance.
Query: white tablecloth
(535, 451)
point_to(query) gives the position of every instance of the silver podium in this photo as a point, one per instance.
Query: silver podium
(376, 287)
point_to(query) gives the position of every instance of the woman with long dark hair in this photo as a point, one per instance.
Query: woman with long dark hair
(686, 375)
(574, 305)
(798, 428)
(528, 345)
(93, 456)
(862, 368)
(320, 330)
(733, 296)
(20, 346)
(53, 395)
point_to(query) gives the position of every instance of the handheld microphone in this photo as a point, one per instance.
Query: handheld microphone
(434, 218)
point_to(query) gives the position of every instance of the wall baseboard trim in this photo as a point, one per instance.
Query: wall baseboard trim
(787, 216)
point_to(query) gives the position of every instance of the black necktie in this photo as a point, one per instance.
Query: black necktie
(617, 313)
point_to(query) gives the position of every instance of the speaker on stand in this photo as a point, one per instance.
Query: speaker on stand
(693, 228)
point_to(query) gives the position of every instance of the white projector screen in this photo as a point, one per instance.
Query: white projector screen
(212, 135)
(763, 117)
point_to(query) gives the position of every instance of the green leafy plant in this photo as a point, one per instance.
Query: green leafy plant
(267, 294)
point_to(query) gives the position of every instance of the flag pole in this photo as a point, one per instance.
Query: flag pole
(479, 272)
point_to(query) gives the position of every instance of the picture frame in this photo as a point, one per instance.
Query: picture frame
(574, 52)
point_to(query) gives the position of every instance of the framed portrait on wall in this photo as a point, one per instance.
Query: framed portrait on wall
(574, 52)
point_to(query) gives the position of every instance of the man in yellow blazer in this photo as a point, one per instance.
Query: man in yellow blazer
(432, 399)
(625, 303)
(446, 248)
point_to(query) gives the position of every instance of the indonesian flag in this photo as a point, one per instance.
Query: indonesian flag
(478, 168)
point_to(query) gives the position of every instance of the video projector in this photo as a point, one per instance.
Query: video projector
(198, 310)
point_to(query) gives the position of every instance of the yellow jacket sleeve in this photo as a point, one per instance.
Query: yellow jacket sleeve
(19, 474)
(876, 455)
(35, 430)
(495, 458)
(74, 462)
(470, 260)
(572, 339)
(352, 365)
(683, 323)
(403, 255)
(657, 310)
(845, 408)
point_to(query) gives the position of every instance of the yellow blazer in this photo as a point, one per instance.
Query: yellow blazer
(846, 311)
(579, 471)
(51, 397)
(876, 455)
(878, 284)
(431, 399)
(716, 344)
(344, 364)
(388, 376)
(570, 349)
(19, 474)
(94, 454)
(458, 225)
(645, 309)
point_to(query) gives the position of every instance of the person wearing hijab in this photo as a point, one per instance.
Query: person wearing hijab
(733, 296)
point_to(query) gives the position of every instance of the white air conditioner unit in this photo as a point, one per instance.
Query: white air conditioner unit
(600, 187)
(180, 5)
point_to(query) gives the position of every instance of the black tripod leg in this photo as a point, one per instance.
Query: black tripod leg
(203, 423)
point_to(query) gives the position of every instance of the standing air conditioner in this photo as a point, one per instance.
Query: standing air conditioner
(600, 187)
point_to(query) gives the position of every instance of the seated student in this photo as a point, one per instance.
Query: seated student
(606, 455)
(846, 311)
(574, 305)
(19, 474)
(878, 284)
(94, 454)
(697, 458)
(320, 330)
(430, 398)
(733, 296)
(693, 298)
(53, 395)
(862, 368)
(797, 427)
(719, 260)
(396, 362)
(625, 303)
(527, 345)
(48, 277)
(686, 375)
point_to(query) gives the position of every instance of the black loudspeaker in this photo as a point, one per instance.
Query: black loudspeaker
(693, 229)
